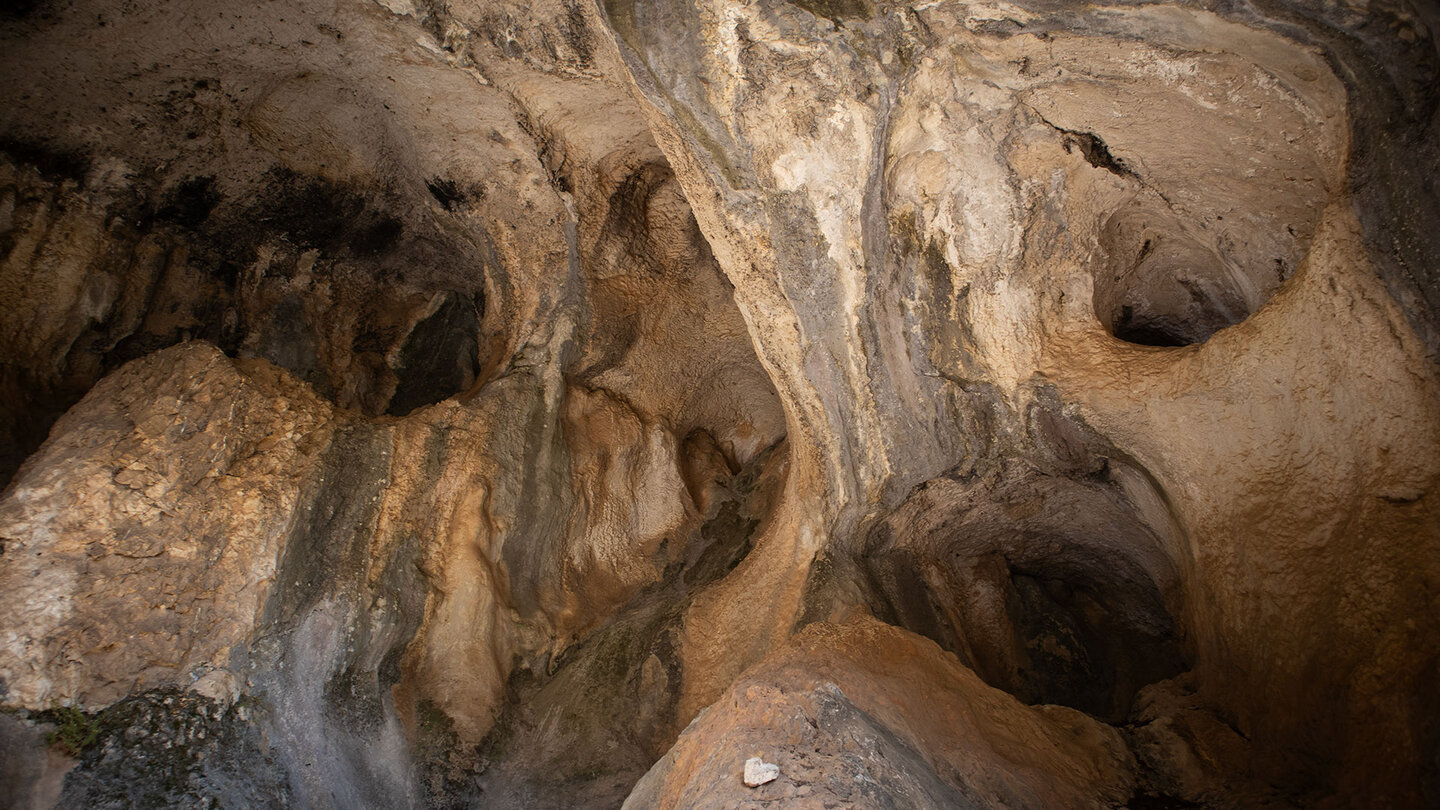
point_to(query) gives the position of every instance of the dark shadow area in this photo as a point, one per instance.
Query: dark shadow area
(440, 357)
(1162, 284)
(1048, 587)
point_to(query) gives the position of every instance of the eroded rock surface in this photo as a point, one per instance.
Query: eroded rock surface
(166, 498)
(867, 715)
(558, 404)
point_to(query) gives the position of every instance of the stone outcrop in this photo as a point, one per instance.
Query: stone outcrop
(165, 498)
(867, 715)
(562, 403)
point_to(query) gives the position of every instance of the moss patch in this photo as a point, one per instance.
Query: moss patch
(75, 731)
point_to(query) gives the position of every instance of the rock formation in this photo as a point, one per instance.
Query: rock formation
(561, 403)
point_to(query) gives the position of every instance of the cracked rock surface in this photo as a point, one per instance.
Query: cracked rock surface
(561, 403)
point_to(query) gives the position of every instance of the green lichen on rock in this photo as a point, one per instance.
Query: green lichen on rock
(75, 731)
(167, 748)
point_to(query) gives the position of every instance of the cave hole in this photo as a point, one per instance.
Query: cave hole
(1161, 283)
(1163, 279)
(1072, 604)
(440, 357)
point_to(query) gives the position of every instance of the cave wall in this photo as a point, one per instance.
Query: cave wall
(496, 403)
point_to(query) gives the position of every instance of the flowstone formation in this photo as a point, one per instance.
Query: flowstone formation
(707, 403)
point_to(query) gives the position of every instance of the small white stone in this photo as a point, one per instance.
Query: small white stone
(758, 772)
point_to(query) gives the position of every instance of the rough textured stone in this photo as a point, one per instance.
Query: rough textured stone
(759, 772)
(866, 715)
(543, 404)
(164, 499)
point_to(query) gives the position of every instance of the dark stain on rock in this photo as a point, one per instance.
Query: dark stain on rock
(627, 671)
(287, 338)
(190, 203)
(1096, 152)
(314, 213)
(20, 9)
(54, 164)
(326, 551)
(577, 35)
(169, 748)
(447, 193)
(905, 600)
(728, 538)
(836, 10)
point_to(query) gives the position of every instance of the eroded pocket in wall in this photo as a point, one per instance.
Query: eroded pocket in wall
(1167, 280)
(1054, 589)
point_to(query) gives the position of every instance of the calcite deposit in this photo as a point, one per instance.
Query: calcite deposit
(719, 403)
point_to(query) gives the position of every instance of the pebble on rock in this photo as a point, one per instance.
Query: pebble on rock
(759, 772)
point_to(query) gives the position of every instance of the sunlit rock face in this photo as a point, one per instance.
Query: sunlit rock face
(558, 404)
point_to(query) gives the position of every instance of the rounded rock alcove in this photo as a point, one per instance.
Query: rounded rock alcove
(1051, 588)
(1161, 284)
(1165, 280)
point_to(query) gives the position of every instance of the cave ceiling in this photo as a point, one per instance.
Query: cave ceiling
(556, 404)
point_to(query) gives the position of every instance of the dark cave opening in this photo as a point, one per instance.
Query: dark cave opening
(1049, 632)
(1054, 589)
(440, 357)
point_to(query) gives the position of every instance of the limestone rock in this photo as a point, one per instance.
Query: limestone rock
(759, 772)
(863, 714)
(141, 544)
(548, 403)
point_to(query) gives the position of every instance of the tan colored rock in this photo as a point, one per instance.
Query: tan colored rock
(1311, 543)
(141, 544)
(964, 193)
(866, 715)
(634, 352)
